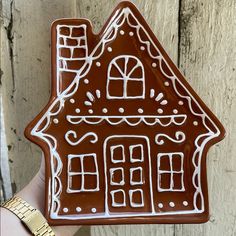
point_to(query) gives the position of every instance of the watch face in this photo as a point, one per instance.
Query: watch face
(124, 135)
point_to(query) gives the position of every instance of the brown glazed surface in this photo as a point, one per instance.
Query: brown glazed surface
(124, 135)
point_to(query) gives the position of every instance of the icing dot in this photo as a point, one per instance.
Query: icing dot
(121, 110)
(154, 64)
(94, 210)
(185, 203)
(90, 111)
(160, 110)
(171, 204)
(65, 209)
(56, 121)
(140, 110)
(109, 49)
(72, 100)
(160, 205)
(98, 64)
(166, 84)
(122, 32)
(142, 48)
(131, 33)
(78, 209)
(181, 103)
(77, 110)
(195, 123)
(86, 81)
(175, 111)
(104, 110)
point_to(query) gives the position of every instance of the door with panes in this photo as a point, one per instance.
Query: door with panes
(127, 175)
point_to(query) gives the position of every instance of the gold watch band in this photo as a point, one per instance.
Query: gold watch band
(31, 217)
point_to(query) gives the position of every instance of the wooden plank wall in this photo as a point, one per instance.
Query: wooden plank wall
(200, 37)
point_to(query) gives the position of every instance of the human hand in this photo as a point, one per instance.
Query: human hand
(34, 194)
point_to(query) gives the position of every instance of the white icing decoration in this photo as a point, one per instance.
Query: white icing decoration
(87, 103)
(117, 20)
(86, 81)
(152, 93)
(78, 209)
(104, 110)
(154, 65)
(98, 64)
(125, 76)
(185, 203)
(94, 210)
(171, 172)
(77, 110)
(160, 205)
(83, 174)
(159, 97)
(112, 150)
(109, 49)
(134, 159)
(122, 32)
(55, 120)
(181, 103)
(133, 203)
(163, 102)
(159, 110)
(63, 60)
(112, 173)
(142, 48)
(98, 93)
(131, 33)
(72, 141)
(72, 100)
(195, 123)
(140, 110)
(90, 96)
(90, 111)
(172, 204)
(175, 111)
(179, 138)
(151, 120)
(113, 198)
(65, 209)
(166, 84)
(121, 191)
(140, 171)
(121, 110)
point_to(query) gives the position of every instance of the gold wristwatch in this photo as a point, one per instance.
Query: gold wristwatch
(31, 217)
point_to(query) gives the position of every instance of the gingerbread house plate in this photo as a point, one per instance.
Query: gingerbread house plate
(124, 135)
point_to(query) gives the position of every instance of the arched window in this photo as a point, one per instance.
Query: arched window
(125, 78)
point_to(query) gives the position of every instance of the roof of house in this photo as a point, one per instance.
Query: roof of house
(126, 12)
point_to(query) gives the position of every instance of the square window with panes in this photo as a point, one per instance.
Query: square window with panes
(170, 172)
(82, 173)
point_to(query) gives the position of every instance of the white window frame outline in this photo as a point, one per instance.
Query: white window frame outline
(115, 204)
(171, 172)
(125, 78)
(112, 148)
(131, 148)
(122, 182)
(81, 173)
(133, 204)
(131, 170)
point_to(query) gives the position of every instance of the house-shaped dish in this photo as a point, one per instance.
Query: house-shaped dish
(124, 135)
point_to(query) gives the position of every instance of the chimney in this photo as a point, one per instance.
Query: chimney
(72, 52)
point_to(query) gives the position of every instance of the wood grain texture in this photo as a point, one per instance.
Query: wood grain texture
(26, 76)
(199, 35)
(208, 60)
